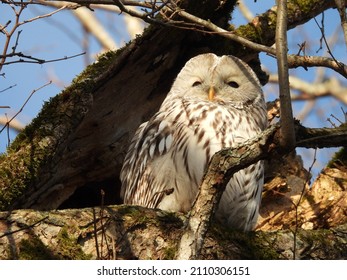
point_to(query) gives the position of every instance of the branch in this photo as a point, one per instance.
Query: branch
(14, 124)
(18, 23)
(89, 21)
(321, 137)
(331, 86)
(294, 61)
(147, 16)
(261, 24)
(306, 61)
(248, 15)
(287, 139)
(340, 4)
(7, 124)
(31, 59)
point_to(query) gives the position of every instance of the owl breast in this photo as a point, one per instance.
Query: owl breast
(201, 129)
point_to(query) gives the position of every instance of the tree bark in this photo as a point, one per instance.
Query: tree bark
(130, 232)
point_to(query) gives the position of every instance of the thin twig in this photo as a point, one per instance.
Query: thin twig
(10, 33)
(323, 38)
(5, 89)
(31, 59)
(23, 228)
(14, 124)
(296, 205)
(147, 16)
(26, 101)
(17, 41)
(96, 235)
(17, 24)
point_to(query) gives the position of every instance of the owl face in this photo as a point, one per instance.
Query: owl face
(224, 79)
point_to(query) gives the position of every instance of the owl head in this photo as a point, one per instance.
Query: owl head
(221, 79)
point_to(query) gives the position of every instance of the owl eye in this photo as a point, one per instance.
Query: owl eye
(197, 83)
(233, 84)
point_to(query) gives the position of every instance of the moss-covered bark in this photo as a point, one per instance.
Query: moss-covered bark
(128, 232)
(25, 163)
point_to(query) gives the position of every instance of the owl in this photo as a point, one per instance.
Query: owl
(214, 103)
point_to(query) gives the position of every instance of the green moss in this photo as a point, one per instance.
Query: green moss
(169, 252)
(34, 249)
(252, 243)
(128, 210)
(305, 6)
(319, 243)
(261, 252)
(68, 247)
(339, 159)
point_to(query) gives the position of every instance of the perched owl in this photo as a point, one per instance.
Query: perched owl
(214, 103)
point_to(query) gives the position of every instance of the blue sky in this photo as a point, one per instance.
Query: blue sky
(61, 35)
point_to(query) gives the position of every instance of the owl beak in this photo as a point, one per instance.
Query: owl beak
(211, 94)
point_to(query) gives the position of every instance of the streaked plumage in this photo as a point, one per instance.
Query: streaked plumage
(214, 103)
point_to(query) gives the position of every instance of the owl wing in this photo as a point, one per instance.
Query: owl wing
(151, 140)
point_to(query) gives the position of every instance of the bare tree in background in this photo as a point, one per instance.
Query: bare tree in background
(71, 154)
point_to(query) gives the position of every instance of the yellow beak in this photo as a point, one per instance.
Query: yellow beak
(211, 94)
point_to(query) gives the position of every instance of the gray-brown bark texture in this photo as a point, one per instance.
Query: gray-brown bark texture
(70, 157)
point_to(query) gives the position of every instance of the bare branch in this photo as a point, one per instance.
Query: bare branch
(245, 11)
(21, 109)
(320, 137)
(16, 25)
(14, 124)
(294, 61)
(287, 140)
(331, 86)
(208, 27)
(31, 59)
(88, 19)
(7, 89)
(147, 16)
(340, 4)
(9, 35)
(44, 16)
